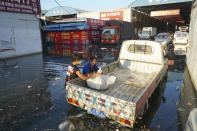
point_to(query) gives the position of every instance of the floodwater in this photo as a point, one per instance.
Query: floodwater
(32, 97)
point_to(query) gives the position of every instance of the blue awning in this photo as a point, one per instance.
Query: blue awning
(63, 10)
(67, 26)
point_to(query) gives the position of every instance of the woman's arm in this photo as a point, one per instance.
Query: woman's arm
(83, 77)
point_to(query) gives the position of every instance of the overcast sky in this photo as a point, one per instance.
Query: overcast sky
(91, 5)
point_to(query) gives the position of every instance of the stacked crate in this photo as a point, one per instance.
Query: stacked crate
(67, 43)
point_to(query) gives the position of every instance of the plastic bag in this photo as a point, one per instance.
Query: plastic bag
(101, 82)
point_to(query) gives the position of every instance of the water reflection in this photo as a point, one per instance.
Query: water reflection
(179, 63)
(166, 116)
(23, 95)
(188, 100)
(32, 96)
(155, 101)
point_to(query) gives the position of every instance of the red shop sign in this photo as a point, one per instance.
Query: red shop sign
(20, 6)
(115, 15)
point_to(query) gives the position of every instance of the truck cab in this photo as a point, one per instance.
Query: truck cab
(148, 33)
(110, 34)
(116, 31)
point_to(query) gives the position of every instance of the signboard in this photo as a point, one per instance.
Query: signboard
(115, 15)
(165, 12)
(95, 22)
(20, 6)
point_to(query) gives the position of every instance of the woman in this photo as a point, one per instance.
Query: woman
(90, 66)
(74, 72)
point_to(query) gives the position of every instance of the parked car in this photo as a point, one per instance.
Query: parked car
(180, 42)
(164, 39)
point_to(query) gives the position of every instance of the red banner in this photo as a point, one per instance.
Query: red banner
(115, 15)
(20, 6)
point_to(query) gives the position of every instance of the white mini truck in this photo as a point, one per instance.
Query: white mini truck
(138, 71)
(180, 43)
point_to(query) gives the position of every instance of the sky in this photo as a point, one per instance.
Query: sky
(89, 5)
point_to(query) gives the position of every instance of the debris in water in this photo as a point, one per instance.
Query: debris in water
(112, 122)
(189, 104)
(52, 108)
(159, 118)
(66, 126)
(181, 109)
(15, 67)
(80, 115)
(103, 48)
(49, 129)
(176, 70)
(57, 78)
(29, 86)
(158, 126)
(63, 125)
(140, 118)
(194, 98)
(1, 109)
(177, 88)
(136, 122)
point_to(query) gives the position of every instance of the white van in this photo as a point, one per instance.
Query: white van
(180, 43)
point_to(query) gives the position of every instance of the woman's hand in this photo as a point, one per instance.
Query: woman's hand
(96, 74)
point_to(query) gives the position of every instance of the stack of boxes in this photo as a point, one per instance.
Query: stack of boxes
(68, 42)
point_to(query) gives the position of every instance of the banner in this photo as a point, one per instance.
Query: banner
(115, 15)
(20, 6)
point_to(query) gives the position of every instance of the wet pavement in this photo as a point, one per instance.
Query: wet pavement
(32, 97)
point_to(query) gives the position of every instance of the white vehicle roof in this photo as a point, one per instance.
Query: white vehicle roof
(163, 34)
(133, 50)
(179, 33)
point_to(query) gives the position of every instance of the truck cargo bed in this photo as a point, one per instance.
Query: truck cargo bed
(129, 85)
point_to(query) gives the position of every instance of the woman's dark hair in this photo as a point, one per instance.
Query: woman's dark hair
(91, 58)
(77, 56)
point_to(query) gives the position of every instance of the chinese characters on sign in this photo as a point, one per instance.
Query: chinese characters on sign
(20, 6)
(116, 15)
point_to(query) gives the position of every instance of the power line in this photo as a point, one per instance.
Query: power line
(132, 3)
(60, 5)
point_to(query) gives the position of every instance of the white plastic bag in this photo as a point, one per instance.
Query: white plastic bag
(101, 82)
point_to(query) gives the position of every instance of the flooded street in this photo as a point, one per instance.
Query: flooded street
(32, 97)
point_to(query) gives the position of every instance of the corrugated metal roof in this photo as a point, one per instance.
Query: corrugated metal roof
(139, 3)
(63, 10)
